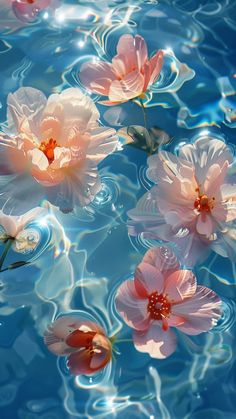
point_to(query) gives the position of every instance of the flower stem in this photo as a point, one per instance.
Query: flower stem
(144, 113)
(5, 251)
(124, 340)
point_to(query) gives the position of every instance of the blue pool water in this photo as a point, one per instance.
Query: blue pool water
(92, 252)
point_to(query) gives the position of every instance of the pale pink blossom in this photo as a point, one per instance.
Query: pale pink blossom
(194, 201)
(27, 10)
(130, 74)
(84, 343)
(55, 145)
(163, 296)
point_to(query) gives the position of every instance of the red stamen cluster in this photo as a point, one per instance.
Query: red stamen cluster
(48, 147)
(203, 203)
(158, 306)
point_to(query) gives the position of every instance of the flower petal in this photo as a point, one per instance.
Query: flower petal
(205, 152)
(62, 158)
(131, 306)
(137, 48)
(180, 285)
(148, 279)
(28, 104)
(128, 88)
(162, 258)
(205, 225)
(155, 341)
(202, 311)
(38, 159)
(65, 325)
(97, 76)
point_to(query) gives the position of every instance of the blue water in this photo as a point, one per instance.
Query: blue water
(90, 254)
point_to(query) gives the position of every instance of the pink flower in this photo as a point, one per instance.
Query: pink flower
(163, 296)
(129, 75)
(27, 10)
(56, 143)
(82, 341)
(193, 204)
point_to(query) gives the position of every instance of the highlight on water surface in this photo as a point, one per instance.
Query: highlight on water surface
(84, 343)
(162, 296)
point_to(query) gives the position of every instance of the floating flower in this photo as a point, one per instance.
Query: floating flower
(129, 75)
(84, 343)
(193, 203)
(162, 296)
(27, 10)
(55, 144)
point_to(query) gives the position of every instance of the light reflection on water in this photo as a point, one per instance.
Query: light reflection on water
(91, 253)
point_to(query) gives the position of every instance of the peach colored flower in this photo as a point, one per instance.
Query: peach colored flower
(129, 75)
(56, 143)
(193, 203)
(27, 10)
(24, 238)
(163, 296)
(82, 341)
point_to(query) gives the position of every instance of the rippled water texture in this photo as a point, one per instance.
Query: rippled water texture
(78, 267)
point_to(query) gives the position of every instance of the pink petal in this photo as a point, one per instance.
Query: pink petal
(131, 306)
(51, 127)
(214, 179)
(205, 152)
(201, 312)
(152, 69)
(155, 341)
(128, 88)
(205, 224)
(137, 48)
(180, 285)
(156, 63)
(38, 159)
(57, 346)
(28, 12)
(148, 279)
(65, 325)
(163, 259)
(62, 158)
(97, 77)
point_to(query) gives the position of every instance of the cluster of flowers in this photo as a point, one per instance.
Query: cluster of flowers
(57, 144)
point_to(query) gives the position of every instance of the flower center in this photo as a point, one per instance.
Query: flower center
(159, 306)
(203, 203)
(30, 1)
(48, 147)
